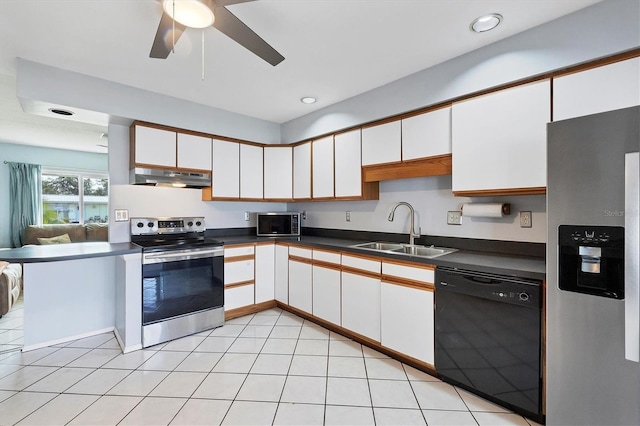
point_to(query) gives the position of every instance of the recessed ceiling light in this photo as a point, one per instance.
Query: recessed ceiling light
(60, 111)
(486, 22)
(308, 100)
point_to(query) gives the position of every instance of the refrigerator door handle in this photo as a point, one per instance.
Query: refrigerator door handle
(632, 258)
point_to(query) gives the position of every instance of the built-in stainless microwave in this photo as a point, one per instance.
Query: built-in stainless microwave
(278, 224)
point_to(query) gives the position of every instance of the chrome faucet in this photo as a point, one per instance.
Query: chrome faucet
(412, 231)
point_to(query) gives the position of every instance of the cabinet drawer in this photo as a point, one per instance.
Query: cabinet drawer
(363, 264)
(413, 273)
(326, 256)
(235, 251)
(237, 297)
(238, 272)
(300, 252)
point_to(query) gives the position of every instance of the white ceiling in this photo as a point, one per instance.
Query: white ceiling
(333, 49)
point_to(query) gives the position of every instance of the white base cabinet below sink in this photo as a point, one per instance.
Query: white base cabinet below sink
(407, 324)
(361, 304)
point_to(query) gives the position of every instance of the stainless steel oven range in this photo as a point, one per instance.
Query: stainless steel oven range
(182, 277)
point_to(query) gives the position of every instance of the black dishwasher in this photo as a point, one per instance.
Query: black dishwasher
(488, 334)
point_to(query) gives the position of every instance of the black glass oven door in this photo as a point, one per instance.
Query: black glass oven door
(171, 289)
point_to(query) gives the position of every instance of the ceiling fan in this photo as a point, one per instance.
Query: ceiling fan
(178, 15)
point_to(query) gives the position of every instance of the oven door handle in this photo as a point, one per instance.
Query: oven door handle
(176, 256)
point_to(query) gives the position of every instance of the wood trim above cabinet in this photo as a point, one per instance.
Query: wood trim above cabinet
(240, 284)
(432, 166)
(360, 272)
(239, 258)
(537, 190)
(300, 259)
(403, 282)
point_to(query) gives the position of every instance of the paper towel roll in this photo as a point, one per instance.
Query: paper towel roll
(485, 210)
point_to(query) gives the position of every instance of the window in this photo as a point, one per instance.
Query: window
(74, 197)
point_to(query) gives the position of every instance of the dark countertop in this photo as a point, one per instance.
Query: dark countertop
(73, 251)
(492, 263)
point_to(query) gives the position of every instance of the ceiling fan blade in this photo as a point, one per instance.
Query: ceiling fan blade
(163, 43)
(235, 29)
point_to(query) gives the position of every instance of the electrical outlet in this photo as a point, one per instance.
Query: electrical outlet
(304, 215)
(348, 216)
(246, 216)
(454, 218)
(525, 220)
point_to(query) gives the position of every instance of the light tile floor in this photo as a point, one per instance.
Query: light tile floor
(11, 328)
(269, 368)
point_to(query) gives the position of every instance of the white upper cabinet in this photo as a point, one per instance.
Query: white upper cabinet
(348, 164)
(194, 152)
(381, 144)
(278, 172)
(427, 135)
(226, 169)
(155, 147)
(500, 140)
(322, 167)
(601, 89)
(302, 171)
(251, 171)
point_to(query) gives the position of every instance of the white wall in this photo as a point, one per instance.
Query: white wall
(37, 155)
(431, 198)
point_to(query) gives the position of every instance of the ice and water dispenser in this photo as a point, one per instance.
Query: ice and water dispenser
(591, 260)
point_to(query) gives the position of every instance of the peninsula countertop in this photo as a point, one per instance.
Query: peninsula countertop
(73, 251)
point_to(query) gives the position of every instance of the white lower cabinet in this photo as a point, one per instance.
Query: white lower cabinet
(407, 324)
(300, 282)
(282, 273)
(326, 293)
(361, 304)
(238, 297)
(265, 272)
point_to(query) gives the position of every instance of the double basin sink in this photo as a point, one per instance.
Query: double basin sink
(428, 252)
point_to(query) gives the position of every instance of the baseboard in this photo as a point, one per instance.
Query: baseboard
(66, 339)
(124, 348)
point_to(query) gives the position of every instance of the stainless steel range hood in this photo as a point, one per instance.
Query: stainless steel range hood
(158, 177)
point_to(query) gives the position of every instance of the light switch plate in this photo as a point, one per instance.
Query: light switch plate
(121, 215)
(246, 216)
(454, 218)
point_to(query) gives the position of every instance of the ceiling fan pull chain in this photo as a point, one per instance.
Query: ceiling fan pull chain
(203, 54)
(173, 32)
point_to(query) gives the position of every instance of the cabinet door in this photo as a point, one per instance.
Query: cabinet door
(322, 167)
(427, 135)
(381, 144)
(302, 171)
(326, 293)
(225, 179)
(361, 304)
(278, 172)
(265, 272)
(500, 139)
(251, 171)
(348, 164)
(300, 286)
(238, 297)
(601, 89)
(194, 152)
(155, 147)
(407, 324)
(282, 274)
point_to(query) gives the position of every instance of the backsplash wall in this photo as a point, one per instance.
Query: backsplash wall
(431, 197)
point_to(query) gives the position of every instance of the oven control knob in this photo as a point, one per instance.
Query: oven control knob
(198, 223)
(190, 224)
(140, 224)
(523, 296)
(150, 224)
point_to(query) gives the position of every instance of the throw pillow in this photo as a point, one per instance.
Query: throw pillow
(60, 239)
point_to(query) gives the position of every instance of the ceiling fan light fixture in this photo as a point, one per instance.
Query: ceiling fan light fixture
(191, 13)
(486, 22)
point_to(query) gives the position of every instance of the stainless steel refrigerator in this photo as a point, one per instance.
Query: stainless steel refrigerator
(592, 295)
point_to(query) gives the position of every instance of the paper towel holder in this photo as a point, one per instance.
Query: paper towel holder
(505, 207)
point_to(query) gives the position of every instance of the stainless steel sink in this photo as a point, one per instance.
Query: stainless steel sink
(379, 246)
(424, 251)
(428, 252)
